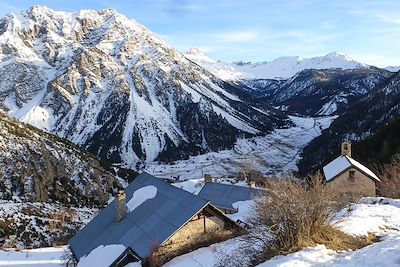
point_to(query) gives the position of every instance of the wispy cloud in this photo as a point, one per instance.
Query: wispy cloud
(388, 18)
(183, 7)
(241, 36)
(380, 15)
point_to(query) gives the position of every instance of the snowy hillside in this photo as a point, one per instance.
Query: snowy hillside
(280, 68)
(36, 224)
(393, 68)
(318, 92)
(37, 166)
(108, 84)
(356, 124)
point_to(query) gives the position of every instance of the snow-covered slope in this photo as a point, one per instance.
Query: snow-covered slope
(362, 120)
(37, 224)
(393, 68)
(318, 92)
(108, 84)
(37, 166)
(280, 68)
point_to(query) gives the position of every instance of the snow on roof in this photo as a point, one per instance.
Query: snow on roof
(340, 164)
(102, 256)
(140, 196)
(225, 195)
(161, 210)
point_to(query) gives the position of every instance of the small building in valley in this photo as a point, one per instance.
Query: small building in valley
(349, 177)
(151, 221)
(224, 196)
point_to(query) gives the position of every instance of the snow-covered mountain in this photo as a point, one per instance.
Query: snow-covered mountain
(108, 84)
(37, 166)
(318, 92)
(280, 68)
(361, 121)
(393, 68)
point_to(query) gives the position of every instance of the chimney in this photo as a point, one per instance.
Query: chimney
(346, 149)
(207, 178)
(120, 205)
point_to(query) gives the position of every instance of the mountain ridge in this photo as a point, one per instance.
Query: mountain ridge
(279, 68)
(108, 84)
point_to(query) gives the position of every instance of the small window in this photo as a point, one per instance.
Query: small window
(352, 176)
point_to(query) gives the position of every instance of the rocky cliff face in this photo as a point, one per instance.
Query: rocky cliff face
(37, 166)
(111, 86)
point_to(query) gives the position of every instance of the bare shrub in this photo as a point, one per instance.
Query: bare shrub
(296, 213)
(390, 179)
(292, 215)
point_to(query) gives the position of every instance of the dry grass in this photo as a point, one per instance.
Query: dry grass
(294, 215)
(390, 179)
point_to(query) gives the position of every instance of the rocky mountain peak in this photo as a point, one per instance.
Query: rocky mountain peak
(108, 84)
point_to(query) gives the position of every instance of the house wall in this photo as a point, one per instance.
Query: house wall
(192, 236)
(195, 228)
(360, 186)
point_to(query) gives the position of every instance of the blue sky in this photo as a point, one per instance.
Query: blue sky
(260, 30)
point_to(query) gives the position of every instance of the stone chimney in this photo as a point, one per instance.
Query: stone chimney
(208, 178)
(346, 149)
(120, 205)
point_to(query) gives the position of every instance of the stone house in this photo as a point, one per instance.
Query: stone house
(152, 221)
(349, 177)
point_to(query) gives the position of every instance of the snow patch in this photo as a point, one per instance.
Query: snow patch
(140, 196)
(39, 117)
(328, 109)
(244, 208)
(102, 256)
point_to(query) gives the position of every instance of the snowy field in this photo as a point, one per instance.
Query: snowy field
(273, 154)
(43, 257)
(376, 215)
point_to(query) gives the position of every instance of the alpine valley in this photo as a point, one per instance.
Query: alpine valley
(107, 84)
(88, 100)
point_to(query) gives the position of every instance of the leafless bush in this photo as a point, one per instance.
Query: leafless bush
(296, 213)
(390, 179)
(292, 215)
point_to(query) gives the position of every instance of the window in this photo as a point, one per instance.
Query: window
(352, 176)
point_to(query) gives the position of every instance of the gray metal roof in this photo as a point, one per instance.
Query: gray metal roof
(147, 226)
(224, 195)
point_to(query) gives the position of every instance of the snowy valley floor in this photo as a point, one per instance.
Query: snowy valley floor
(376, 215)
(273, 154)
